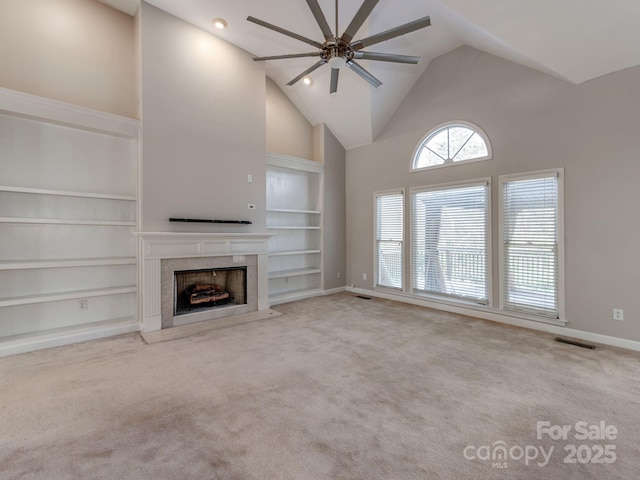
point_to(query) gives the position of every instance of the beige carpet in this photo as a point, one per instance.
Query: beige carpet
(335, 388)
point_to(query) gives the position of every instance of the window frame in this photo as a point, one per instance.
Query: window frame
(502, 179)
(403, 249)
(452, 299)
(436, 130)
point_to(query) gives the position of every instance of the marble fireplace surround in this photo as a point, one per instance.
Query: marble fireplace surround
(165, 252)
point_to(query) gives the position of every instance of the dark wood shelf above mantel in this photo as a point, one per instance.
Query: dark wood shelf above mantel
(206, 220)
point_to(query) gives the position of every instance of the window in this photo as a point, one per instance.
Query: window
(531, 243)
(449, 144)
(389, 227)
(450, 241)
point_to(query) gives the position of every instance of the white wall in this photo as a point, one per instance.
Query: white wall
(203, 113)
(288, 131)
(534, 122)
(76, 51)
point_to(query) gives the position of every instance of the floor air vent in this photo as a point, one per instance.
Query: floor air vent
(573, 342)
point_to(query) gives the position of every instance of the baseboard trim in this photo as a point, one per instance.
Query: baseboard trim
(331, 291)
(506, 319)
(66, 336)
(295, 296)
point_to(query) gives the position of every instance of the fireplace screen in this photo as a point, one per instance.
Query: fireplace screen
(197, 290)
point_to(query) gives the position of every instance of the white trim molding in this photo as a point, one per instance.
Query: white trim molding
(62, 113)
(294, 163)
(333, 291)
(502, 317)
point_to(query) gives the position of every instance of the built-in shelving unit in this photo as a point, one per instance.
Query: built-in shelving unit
(68, 215)
(294, 189)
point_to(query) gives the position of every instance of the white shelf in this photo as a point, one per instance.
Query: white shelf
(57, 221)
(69, 221)
(57, 297)
(61, 113)
(294, 295)
(288, 210)
(294, 273)
(56, 337)
(292, 252)
(66, 263)
(62, 193)
(294, 163)
(282, 227)
(294, 215)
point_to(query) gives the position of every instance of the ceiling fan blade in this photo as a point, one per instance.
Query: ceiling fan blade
(291, 55)
(335, 73)
(392, 33)
(365, 10)
(321, 19)
(386, 57)
(284, 32)
(364, 74)
(307, 72)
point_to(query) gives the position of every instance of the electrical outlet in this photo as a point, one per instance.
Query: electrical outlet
(339, 274)
(84, 304)
(249, 178)
(364, 276)
(618, 314)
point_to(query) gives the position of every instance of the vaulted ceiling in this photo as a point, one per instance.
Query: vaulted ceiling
(575, 40)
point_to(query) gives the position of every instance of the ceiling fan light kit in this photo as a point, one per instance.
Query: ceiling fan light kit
(340, 51)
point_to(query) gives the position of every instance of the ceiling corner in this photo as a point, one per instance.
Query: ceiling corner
(130, 7)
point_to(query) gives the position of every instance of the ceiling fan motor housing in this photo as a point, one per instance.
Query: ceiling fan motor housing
(337, 55)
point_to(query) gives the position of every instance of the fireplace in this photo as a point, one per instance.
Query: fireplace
(165, 253)
(199, 290)
(196, 289)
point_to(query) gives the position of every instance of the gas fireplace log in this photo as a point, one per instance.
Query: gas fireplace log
(203, 293)
(195, 299)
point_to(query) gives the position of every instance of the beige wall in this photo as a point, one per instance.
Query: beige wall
(288, 131)
(203, 114)
(332, 153)
(534, 122)
(76, 51)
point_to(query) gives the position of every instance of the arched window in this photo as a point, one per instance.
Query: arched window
(451, 143)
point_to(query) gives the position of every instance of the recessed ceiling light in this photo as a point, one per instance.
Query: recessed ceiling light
(220, 23)
(307, 81)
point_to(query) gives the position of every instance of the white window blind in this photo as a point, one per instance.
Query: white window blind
(530, 236)
(449, 245)
(389, 239)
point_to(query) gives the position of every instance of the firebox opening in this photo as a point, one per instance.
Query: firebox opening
(198, 290)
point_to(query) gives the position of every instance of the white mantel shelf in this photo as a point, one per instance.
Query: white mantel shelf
(156, 246)
(178, 244)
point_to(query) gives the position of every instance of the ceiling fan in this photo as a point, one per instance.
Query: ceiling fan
(339, 51)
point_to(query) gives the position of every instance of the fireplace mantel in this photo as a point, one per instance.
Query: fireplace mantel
(156, 246)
